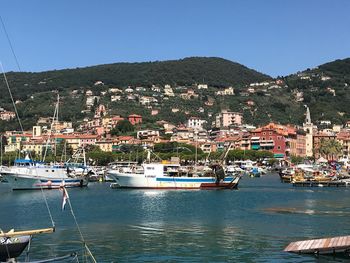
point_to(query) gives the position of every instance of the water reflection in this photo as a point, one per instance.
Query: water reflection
(252, 224)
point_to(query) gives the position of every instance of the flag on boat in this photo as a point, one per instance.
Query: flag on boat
(65, 197)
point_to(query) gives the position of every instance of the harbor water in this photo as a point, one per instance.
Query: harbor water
(251, 224)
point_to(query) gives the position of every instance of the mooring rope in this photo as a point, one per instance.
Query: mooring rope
(79, 230)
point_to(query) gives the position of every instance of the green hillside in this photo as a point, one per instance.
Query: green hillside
(213, 71)
(318, 90)
(324, 89)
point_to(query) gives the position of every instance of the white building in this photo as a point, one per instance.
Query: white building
(168, 91)
(202, 86)
(115, 98)
(91, 100)
(195, 123)
(115, 90)
(145, 100)
(147, 134)
(129, 90)
(227, 91)
(155, 88)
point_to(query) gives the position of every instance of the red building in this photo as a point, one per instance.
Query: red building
(274, 138)
(135, 119)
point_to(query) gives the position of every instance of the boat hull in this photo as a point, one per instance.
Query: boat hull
(12, 247)
(140, 181)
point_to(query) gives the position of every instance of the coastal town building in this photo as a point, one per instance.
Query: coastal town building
(7, 115)
(344, 138)
(168, 91)
(202, 86)
(135, 119)
(227, 118)
(196, 123)
(226, 91)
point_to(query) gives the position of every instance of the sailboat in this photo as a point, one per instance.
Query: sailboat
(13, 243)
(27, 174)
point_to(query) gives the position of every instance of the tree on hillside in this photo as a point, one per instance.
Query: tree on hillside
(122, 127)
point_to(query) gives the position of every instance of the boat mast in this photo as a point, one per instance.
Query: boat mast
(196, 151)
(55, 116)
(57, 110)
(1, 149)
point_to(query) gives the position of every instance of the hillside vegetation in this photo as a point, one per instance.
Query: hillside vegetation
(213, 71)
(324, 89)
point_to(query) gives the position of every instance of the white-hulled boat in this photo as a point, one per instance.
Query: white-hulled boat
(167, 176)
(27, 174)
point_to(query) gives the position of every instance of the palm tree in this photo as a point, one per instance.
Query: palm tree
(335, 148)
(330, 147)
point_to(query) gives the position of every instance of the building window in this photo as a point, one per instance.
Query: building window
(264, 133)
(278, 147)
(270, 133)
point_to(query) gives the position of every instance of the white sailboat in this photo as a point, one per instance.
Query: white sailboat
(27, 174)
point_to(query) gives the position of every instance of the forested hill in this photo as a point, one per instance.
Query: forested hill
(210, 70)
(339, 68)
(325, 89)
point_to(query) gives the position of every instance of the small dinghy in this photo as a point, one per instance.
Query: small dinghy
(13, 243)
(12, 247)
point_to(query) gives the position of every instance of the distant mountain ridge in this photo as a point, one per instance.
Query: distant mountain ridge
(210, 70)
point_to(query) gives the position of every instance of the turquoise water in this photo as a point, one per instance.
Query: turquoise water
(252, 224)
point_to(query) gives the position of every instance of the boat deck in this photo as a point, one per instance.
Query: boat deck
(320, 184)
(320, 246)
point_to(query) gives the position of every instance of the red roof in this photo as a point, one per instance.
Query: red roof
(134, 116)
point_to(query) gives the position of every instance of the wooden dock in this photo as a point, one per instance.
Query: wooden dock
(320, 184)
(331, 245)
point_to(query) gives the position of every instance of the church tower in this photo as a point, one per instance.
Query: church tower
(308, 128)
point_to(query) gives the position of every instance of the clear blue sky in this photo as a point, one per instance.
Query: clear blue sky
(276, 37)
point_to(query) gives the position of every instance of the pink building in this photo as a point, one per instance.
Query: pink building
(228, 118)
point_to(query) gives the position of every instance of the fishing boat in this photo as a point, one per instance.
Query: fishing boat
(27, 174)
(168, 176)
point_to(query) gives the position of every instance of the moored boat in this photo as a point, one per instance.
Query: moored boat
(167, 176)
(12, 247)
(27, 174)
(13, 243)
